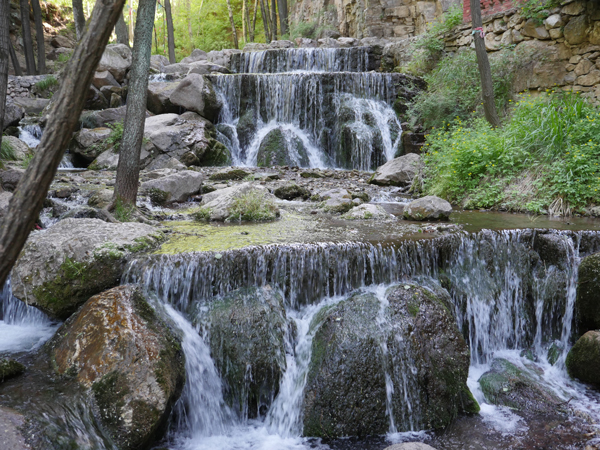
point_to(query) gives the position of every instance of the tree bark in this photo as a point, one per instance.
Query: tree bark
(14, 59)
(245, 20)
(26, 203)
(233, 31)
(128, 169)
(39, 36)
(170, 32)
(188, 7)
(264, 10)
(253, 28)
(273, 19)
(5, 46)
(27, 42)
(122, 31)
(283, 16)
(487, 85)
(79, 17)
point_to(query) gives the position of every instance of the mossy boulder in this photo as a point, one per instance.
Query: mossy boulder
(410, 338)
(9, 368)
(247, 339)
(229, 173)
(583, 361)
(131, 360)
(59, 269)
(506, 384)
(281, 148)
(292, 191)
(588, 293)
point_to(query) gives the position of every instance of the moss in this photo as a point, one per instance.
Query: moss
(469, 403)
(158, 197)
(201, 215)
(292, 191)
(9, 368)
(312, 174)
(231, 174)
(216, 155)
(110, 394)
(362, 196)
(583, 360)
(340, 208)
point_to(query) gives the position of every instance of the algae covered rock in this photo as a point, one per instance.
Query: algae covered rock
(588, 293)
(506, 384)
(132, 361)
(244, 202)
(247, 339)
(428, 208)
(292, 191)
(9, 368)
(281, 147)
(62, 267)
(583, 361)
(411, 339)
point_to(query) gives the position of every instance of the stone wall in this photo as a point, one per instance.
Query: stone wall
(488, 8)
(390, 19)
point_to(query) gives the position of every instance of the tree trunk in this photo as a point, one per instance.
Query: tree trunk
(253, 28)
(27, 42)
(188, 7)
(128, 169)
(244, 21)
(26, 203)
(283, 16)
(122, 31)
(233, 31)
(5, 46)
(170, 32)
(273, 19)
(14, 59)
(155, 40)
(264, 10)
(39, 36)
(487, 86)
(79, 18)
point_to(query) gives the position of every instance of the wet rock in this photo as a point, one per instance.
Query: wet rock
(135, 370)
(10, 178)
(281, 148)
(177, 187)
(74, 259)
(251, 203)
(410, 446)
(345, 392)
(11, 424)
(367, 212)
(206, 68)
(229, 173)
(508, 385)
(553, 248)
(196, 93)
(588, 293)
(583, 360)
(116, 59)
(88, 144)
(397, 172)
(428, 208)
(9, 368)
(292, 191)
(248, 329)
(337, 201)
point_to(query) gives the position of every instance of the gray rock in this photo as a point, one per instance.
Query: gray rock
(337, 201)
(196, 55)
(62, 267)
(576, 30)
(588, 289)
(20, 148)
(85, 212)
(4, 200)
(31, 106)
(99, 119)
(410, 446)
(229, 173)
(292, 191)
(177, 68)
(100, 198)
(178, 186)
(306, 43)
(196, 93)
(11, 424)
(366, 212)
(219, 203)
(116, 59)
(104, 78)
(398, 172)
(60, 41)
(205, 68)
(89, 143)
(158, 101)
(281, 44)
(13, 113)
(135, 370)
(159, 62)
(428, 208)
(255, 47)
(10, 178)
(95, 99)
(165, 162)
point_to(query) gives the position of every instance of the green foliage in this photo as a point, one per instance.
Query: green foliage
(303, 30)
(253, 206)
(536, 9)
(202, 215)
(7, 152)
(123, 212)
(112, 140)
(27, 160)
(47, 83)
(454, 88)
(545, 158)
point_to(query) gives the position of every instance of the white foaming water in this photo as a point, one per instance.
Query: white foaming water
(22, 328)
(32, 134)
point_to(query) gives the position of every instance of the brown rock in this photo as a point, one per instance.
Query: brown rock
(535, 30)
(590, 79)
(576, 30)
(61, 42)
(584, 67)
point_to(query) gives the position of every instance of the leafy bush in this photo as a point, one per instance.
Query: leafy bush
(47, 83)
(545, 158)
(7, 153)
(536, 9)
(201, 215)
(454, 88)
(254, 206)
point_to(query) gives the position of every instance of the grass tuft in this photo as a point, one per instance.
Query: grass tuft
(253, 206)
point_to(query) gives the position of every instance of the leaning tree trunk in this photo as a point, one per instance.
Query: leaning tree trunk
(122, 31)
(5, 46)
(244, 21)
(128, 169)
(273, 19)
(233, 31)
(487, 86)
(39, 36)
(264, 10)
(253, 28)
(79, 18)
(27, 42)
(14, 59)
(26, 203)
(170, 32)
(283, 15)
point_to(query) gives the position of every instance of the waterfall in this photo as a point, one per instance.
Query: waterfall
(31, 134)
(330, 110)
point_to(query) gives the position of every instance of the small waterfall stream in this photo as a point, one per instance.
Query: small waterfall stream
(323, 106)
(31, 134)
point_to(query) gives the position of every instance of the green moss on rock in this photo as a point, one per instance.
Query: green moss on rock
(9, 368)
(583, 360)
(291, 192)
(588, 304)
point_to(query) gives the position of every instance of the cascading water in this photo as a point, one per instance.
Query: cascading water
(32, 134)
(506, 298)
(308, 107)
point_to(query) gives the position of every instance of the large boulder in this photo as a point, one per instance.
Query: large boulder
(10, 178)
(20, 148)
(118, 347)
(177, 187)
(88, 144)
(583, 360)
(100, 119)
(13, 114)
(196, 93)
(428, 208)
(196, 55)
(60, 268)
(337, 200)
(291, 191)
(281, 147)
(425, 358)
(576, 30)
(368, 211)
(588, 293)
(506, 384)
(158, 100)
(158, 62)
(247, 339)
(31, 106)
(116, 59)
(4, 200)
(249, 202)
(398, 172)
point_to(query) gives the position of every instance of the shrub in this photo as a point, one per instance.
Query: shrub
(545, 158)
(47, 83)
(536, 9)
(254, 206)
(7, 152)
(202, 215)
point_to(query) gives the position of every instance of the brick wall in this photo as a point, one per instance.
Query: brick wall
(488, 7)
